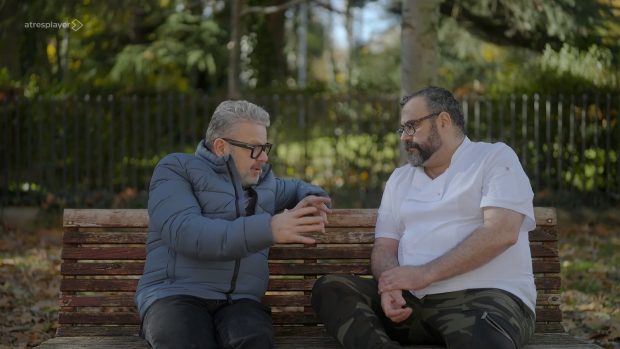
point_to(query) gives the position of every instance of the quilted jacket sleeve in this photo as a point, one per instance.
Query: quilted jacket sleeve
(176, 218)
(290, 191)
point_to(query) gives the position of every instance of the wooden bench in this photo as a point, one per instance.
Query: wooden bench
(103, 257)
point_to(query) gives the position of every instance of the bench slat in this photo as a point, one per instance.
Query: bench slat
(545, 216)
(338, 267)
(104, 237)
(127, 300)
(285, 317)
(139, 218)
(277, 252)
(331, 236)
(540, 341)
(73, 285)
(96, 253)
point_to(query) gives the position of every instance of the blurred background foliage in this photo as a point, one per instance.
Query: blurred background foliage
(147, 46)
(146, 74)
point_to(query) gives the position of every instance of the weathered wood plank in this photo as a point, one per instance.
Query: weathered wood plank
(338, 217)
(543, 251)
(543, 234)
(548, 283)
(106, 300)
(331, 236)
(104, 237)
(72, 285)
(289, 317)
(98, 285)
(322, 252)
(97, 330)
(99, 253)
(277, 252)
(540, 341)
(111, 268)
(127, 300)
(98, 318)
(126, 342)
(546, 266)
(134, 218)
(335, 267)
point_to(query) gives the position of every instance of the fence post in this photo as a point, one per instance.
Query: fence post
(584, 107)
(5, 150)
(560, 140)
(99, 136)
(548, 141)
(111, 156)
(536, 142)
(524, 130)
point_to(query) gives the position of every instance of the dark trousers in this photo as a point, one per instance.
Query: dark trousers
(192, 322)
(350, 307)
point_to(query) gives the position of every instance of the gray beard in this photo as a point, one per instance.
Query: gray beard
(423, 153)
(417, 158)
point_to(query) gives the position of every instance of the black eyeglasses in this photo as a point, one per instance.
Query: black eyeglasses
(256, 149)
(411, 126)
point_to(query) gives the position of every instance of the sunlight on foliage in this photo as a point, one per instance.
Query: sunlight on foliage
(594, 65)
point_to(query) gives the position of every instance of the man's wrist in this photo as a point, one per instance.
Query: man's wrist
(430, 272)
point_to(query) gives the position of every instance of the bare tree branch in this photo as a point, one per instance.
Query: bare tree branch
(267, 10)
(329, 7)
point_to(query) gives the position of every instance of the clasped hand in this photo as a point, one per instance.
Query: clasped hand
(393, 282)
(309, 215)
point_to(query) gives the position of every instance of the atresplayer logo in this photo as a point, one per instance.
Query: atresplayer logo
(75, 25)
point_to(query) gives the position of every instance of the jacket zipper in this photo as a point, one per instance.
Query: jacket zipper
(486, 317)
(233, 281)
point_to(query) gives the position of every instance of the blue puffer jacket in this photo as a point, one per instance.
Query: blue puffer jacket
(198, 242)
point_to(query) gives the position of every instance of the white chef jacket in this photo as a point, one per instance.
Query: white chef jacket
(431, 216)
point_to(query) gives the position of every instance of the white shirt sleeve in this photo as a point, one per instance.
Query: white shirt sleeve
(389, 224)
(507, 186)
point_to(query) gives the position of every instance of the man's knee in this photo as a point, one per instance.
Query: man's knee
(173, 332)
(246, 334)
(245, 324)
(178, 322)
(336, 286)
(489, 331)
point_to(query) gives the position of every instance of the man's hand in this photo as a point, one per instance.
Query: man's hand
(287, 227)
(407, 277)
(394, 306)
(320, 202)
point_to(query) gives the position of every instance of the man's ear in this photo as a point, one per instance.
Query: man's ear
(445, 119)
(220, 147)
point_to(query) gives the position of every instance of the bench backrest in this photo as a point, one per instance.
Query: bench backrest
(103, 257)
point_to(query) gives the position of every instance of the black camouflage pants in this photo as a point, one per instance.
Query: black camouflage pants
(350, 308)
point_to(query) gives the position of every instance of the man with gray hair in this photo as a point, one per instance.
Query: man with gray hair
(213, 216)
(451, 258)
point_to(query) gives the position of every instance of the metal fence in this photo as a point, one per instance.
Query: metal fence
(97, 151)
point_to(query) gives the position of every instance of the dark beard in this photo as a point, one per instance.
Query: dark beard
(417, 159)
(424, 152)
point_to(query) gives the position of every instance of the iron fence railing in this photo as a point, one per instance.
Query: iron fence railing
(97, 150)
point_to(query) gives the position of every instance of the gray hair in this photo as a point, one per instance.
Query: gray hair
(437, 100)
(228, 113)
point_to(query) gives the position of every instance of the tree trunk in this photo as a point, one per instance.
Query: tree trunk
(234, 51)
(302, 41)
(419, 50)
(9, 38)
(350, 41)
